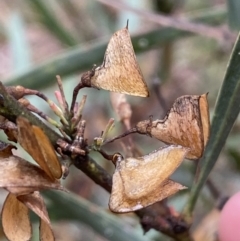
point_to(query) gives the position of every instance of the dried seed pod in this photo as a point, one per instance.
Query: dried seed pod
(140, 182)
(186, 124)
(119, 71)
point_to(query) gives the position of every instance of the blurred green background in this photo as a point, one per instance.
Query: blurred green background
(42, 39)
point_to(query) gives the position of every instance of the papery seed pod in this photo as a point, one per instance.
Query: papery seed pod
(119, 71)
(186, 124)
(142, 181)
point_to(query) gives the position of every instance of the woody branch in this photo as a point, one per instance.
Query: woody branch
(11, 109)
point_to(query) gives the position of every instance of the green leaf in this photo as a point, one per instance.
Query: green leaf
(233, 13)
(82, 58)
(16, 31)
(52, 23)
(225, 114)
(72, 207)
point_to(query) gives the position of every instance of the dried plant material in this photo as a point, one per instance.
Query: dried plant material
(119, 71)
(140, 182)
(21, 177)
(24, 102)
(78, 112)
(65, 146)
(183, 125)
(121, 108)
(79, 143)
(108, 128)
(45, 231)
(124, 113)
(123, 204)
(186, 124)
(50, 157)
(35, 202)
(37, 144)
(205, 119)
(60, 95)
(6, 149)
(79, 108)
(207, 229)
(98, 141)
(18, 91)
(10, 129)
(15, 219)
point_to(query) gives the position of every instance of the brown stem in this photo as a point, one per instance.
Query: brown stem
(11, 109)
(128, 132)
(84, 82)
(75, 93)
(105, 155)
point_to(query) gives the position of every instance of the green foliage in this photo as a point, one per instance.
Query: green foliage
(225, 113)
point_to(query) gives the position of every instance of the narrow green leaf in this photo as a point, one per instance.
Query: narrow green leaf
(233, 13)
(225, 114)
(72, 207)
(16, 31)
(52, 23)
(81, 58)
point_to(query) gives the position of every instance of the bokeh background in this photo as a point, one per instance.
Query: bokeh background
(40, 39)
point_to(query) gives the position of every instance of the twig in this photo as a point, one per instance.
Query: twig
(11, 109)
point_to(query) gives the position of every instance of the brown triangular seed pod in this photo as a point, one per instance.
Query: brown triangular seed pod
(186, 124)
(140, 182)
(119, 71)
